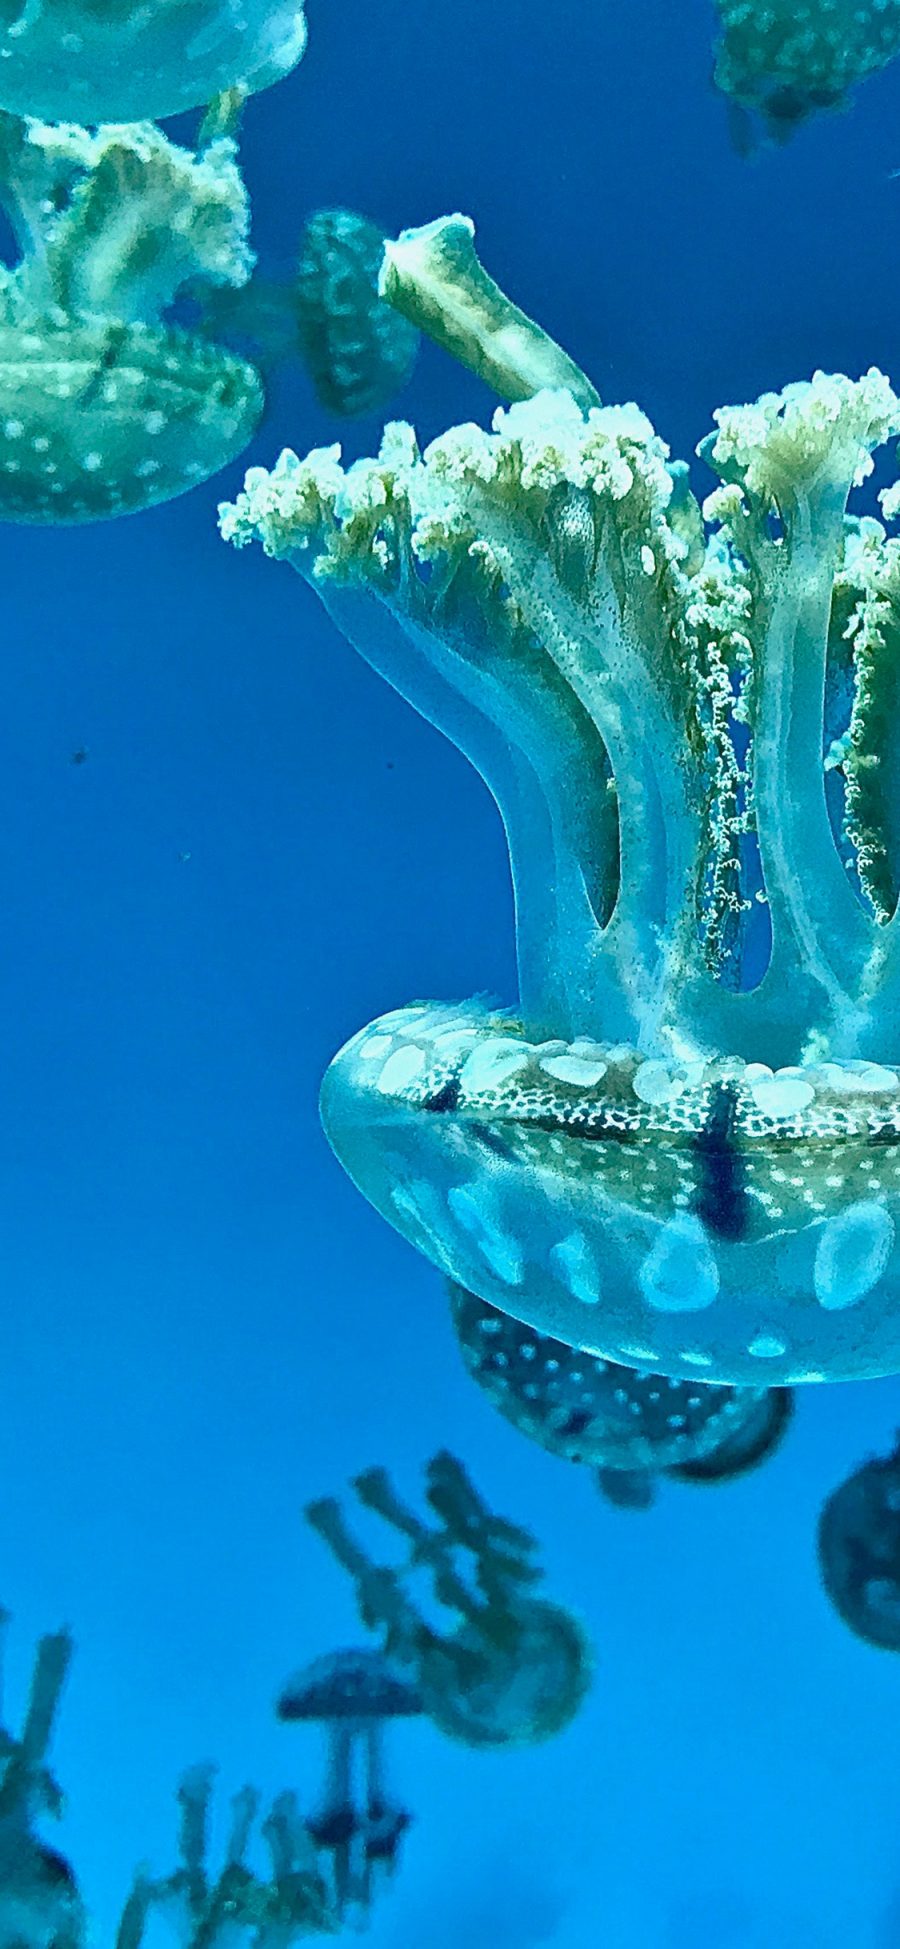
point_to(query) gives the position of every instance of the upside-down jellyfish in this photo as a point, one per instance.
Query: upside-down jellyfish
(514, 1667)
(353, 1695)
(125, 60)
(689, 716)
(627, 1424)
(105, 408)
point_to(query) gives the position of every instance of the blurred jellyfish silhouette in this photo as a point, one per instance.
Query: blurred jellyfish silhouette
(353, 1695)
(105, 407)
(359, 351)
(122, 60)
(513, 1667)
(859, 1550)
(327, 311)
(213, 1912)
(779, 64)
(40, 1907)
(628, 1425)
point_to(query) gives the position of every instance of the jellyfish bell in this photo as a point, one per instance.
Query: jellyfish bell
(859, 1551)
(40, 1906)
(754, 1439)
(520, 1168)
(88, 432)
(124, 61)
(593, 1411)
(514, 1687)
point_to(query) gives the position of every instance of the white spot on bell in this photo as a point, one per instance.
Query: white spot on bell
(576, 1266)
(401, 1069)
(679, 1274)
(852, 1253)
(767, 1347)
(499, 1249)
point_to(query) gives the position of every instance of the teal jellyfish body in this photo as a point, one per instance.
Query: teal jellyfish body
(514, 1668)
(859, 1551)
(123, 60)
(688, 715)
(619, 1421)
(783, 61)
(358, 350)
(105, 406)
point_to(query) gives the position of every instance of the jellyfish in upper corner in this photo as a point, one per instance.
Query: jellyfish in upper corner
(780, 62)
(40, 1906)
(107, 407)
(628, 1424)
(683, 1133)
(123, 60)
(859, 1550)
(207, 1910)
(354, 1695)
(508, 1667)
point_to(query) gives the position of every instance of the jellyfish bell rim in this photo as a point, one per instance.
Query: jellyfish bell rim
(471, 1139)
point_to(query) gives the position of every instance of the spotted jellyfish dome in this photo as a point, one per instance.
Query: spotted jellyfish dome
(96, 423)
(589, 1410)
(715, 1218)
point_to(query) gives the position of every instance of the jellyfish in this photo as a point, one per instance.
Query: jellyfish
(212, 1912)
(40, 1906)
(353, 1694)
(782, 61)
(105, 406)
(122, 60)
(859, 1551)
(627, 1424)
(358, 350)
(328, 311)
(684, 1134)
(514, 1668)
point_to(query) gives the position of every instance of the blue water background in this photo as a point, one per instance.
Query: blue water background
(203, 1325)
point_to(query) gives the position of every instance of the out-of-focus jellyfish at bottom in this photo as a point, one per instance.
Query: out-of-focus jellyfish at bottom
(514, 1667)
(40, 1907)
(353, 1694)
(627, 1424)
(859, 1550)
(208, 1911)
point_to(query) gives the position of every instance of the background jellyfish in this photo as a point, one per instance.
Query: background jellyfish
(105, 408)
(782, 61)
(329, 312)
(626, 1424)
(207, 1911)
(353, 1695)
(514, 1668)
(859, 1551)
(122, 60)
(358, 350)
(40, 1907)
(658, 1147)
